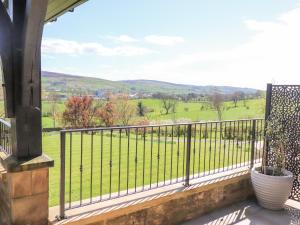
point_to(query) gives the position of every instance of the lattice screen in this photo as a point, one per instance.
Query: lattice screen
(285, 104)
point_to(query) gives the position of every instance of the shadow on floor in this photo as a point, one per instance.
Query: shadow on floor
(249, 213)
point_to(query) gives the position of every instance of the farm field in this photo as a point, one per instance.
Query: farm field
(192, 111)
(213, 155)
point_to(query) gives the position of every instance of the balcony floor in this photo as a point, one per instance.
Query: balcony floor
(250, 213)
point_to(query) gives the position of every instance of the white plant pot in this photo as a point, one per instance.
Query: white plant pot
(271, 191)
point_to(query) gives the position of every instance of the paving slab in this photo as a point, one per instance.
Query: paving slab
(250, 213)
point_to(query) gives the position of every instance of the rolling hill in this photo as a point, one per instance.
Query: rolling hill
(71, 84)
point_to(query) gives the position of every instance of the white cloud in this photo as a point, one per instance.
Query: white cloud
(126, 38)
(164, 40)
(271, 54)
(61, 46)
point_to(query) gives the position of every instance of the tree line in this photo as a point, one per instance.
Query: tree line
(118, 109)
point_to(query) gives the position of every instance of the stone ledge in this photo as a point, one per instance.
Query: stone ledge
(166, 205)
(12, 164)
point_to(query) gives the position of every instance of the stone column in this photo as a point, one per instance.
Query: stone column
(24, 190)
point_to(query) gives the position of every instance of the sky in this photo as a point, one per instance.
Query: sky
(201, 42)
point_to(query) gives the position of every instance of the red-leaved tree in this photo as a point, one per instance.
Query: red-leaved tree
(107, 113)
(79, 112)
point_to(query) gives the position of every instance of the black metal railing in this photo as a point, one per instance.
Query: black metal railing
(98, 164)
(5, 137)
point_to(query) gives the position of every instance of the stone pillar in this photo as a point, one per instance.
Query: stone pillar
(24, 190)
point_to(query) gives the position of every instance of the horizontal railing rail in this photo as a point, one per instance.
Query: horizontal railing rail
(99, 164)
(142, 126)
(5, 137)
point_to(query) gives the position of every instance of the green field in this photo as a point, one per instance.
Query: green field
(216, 155)
(213, 154)
(253, 109)
(184, 111)
(192, 111)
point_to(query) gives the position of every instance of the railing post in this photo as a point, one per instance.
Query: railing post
(267, 114)
(268, 101)
(188, 155)
(62, 174)
(253, 139)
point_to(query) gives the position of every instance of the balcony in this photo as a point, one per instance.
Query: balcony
(136, 173)
(165, 174)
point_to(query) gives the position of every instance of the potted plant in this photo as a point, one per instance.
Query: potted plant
(273, 183)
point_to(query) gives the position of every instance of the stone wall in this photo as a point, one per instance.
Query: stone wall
(24, 197)
(4, 198)
(178, 207)
(24, 190)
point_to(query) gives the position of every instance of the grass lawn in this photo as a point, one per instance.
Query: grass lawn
(193, 111)
(129, 172)
(138, 172)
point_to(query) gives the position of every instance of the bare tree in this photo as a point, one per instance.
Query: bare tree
(259, 94)
(245, 101)
(168, 104)
(54, 111)
(237, 96)
(217, 101)
(126, 110)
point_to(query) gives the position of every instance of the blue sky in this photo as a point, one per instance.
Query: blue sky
(200, 42)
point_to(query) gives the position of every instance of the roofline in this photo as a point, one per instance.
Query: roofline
(70, 8)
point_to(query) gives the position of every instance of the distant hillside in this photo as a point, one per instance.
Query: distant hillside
(70, 84)
(161, 86)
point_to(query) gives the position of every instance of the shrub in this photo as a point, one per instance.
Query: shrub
(79, 112)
